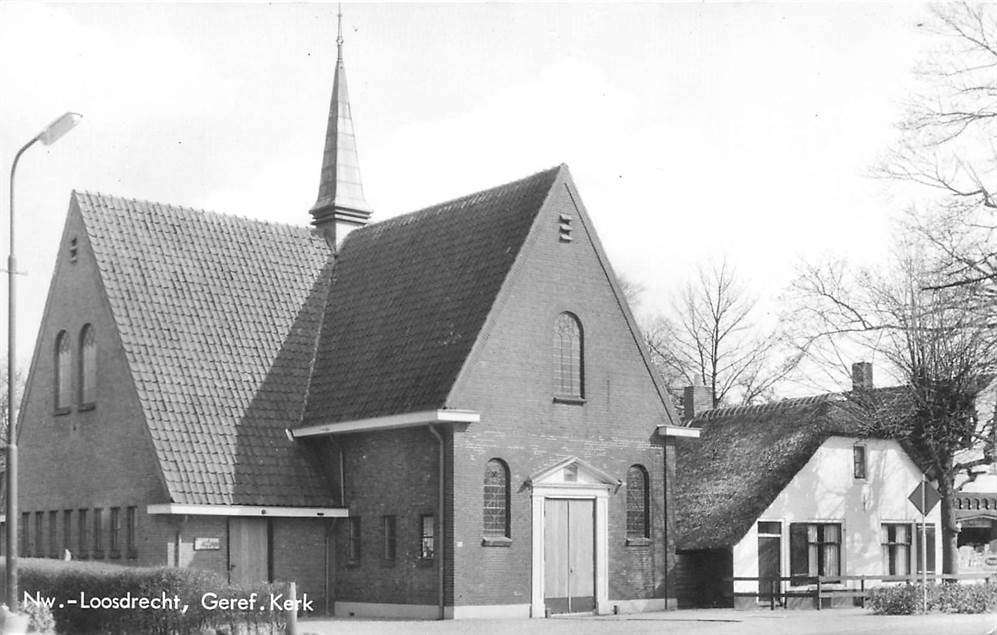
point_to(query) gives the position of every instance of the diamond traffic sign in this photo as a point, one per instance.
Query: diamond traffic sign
(925, 494)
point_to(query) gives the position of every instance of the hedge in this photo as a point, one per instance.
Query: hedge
(907, 599)
(91, 597)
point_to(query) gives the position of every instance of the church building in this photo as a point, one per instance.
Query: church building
(444, 414)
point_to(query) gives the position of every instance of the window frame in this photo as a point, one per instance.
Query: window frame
(567, 391)
(87, 368)
(114, 533)
(389, 534)
(62, 384)
(891, 547)
(39, 547)
(354, 541)
(53, 534)
(83, 537)
(638, 519)
(67, 531)
(98, 533)
(860, 462)
(800, 552)
(131, 531)
(496, 506)
(427, 521)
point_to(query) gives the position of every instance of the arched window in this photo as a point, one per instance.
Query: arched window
(496, 501)
(88, 367)
(638, 513)
(568, 366)
(63, 370)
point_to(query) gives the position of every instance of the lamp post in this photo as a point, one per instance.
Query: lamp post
(52, 133)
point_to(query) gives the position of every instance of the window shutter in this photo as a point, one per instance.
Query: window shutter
(798, 550)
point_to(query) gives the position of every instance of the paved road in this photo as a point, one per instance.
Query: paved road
(693, 622)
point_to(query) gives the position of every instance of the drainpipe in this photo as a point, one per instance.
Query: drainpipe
(439, 514)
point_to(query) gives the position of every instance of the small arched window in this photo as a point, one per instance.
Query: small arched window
(638, 499)
(496, 500)
(63, 370)
(88, 367)
(568, 362)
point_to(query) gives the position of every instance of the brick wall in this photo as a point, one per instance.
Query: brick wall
(509, 379)
(85, 458)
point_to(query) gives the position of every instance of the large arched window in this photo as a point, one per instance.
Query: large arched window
(88, 367)
(63, 370)
(568, 361)
(638, 514)
(496, 501)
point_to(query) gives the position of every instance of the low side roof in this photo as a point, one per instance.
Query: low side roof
(409, 297)
(218, 316)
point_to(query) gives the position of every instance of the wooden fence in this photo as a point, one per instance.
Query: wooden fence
(835, 586)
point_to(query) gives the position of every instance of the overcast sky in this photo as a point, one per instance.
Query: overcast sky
(692, 130)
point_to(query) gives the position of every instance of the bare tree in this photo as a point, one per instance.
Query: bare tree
(947, 145)
(712, 337)
(934, 341)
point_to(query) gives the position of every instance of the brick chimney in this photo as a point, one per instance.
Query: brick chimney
(695, 401)
(862, 376)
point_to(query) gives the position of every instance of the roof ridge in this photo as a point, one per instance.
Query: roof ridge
(765, 408)
(436, 207)
(188, 209)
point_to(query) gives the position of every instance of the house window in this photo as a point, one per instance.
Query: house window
(131, 531)
(353, 545)
(814, 549)
(82, 531)
(896, 541)
(390, 547)
(858, 461)
(39, 545)
(67, 529)
(115, 532)
(638, 514)
(63, 353)
(427, 541)
(496, 505)
(88, 367)
(98, 537)
(25, 537)
(568, 361)
(53, 534)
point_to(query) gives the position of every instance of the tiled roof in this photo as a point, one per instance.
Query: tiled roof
(409, 296)
(218, 316)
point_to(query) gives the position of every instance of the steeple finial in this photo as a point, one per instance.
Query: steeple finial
(341, 205)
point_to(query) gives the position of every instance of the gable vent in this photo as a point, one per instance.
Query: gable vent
(564, 228)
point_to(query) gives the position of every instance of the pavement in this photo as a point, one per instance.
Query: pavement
(693, 621)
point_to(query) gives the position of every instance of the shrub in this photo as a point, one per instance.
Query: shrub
(906, 599)
(69, 584)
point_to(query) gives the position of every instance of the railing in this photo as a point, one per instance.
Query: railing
(816, 587)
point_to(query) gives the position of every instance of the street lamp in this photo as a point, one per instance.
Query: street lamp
(52, 133)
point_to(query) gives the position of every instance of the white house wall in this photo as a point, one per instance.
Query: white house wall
(825, 491)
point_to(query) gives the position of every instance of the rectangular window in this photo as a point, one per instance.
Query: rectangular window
(354, 545)
(770, 527)
(858, 460)
(131, 531)
(814, 550)
(67, 530)
(896, 543)
(390, 537)
(929, 544)
(427, 542)
(53, 534)
(98, 536)
(25, 536)
(39, 546)
(83, 530)
(115, 533)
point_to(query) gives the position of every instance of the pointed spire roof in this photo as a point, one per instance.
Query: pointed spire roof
(340, 192)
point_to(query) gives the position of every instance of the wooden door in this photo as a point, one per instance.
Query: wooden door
(769, 565)
(248, 560)
(569, 555)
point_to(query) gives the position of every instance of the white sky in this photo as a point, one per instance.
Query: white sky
(692, 130)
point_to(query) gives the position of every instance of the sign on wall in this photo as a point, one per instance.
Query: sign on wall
(207, 544)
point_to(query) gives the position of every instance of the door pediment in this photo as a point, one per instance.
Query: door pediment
(573, 472)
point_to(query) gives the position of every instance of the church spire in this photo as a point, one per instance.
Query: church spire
(341, 205)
